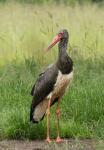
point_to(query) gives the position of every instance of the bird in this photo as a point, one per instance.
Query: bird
(51, 84)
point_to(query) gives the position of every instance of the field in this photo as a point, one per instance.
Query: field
(70, 144)
(25, 31)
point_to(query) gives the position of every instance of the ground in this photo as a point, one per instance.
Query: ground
(70, 144)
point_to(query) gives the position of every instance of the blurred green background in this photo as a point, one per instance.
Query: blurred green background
(55, 1)
(26, 29)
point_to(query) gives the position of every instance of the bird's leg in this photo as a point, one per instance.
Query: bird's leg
(48, 122)
(58, 140)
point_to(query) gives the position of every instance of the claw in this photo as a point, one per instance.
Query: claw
(48, 140)
(59, 140)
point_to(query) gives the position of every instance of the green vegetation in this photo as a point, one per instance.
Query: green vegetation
(25, 31)
(71, 2)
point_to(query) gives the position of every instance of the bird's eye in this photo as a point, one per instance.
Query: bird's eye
(60, 34)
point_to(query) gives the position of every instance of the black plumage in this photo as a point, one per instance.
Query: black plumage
(44, 85)
(46, 80)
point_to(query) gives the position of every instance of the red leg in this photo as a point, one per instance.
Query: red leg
(58, 140)
(48, 123)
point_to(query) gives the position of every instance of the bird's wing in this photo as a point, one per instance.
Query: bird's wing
(44, 85)
(40, 76)
(37, 81)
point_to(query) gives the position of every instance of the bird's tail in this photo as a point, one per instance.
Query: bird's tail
(31, 115)
(37, 113)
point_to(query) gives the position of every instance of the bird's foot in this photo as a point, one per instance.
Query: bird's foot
(48, 140)
(59, 140)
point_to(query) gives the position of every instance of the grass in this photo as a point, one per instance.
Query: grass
(25, 30)
(71, 2)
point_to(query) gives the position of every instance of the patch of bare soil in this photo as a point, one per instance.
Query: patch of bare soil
(42, 145)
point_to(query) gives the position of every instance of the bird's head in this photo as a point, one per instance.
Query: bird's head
(62, 34)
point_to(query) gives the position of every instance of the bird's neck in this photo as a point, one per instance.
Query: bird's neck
(64, 62)
(62, 47)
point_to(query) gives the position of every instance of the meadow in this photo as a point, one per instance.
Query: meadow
(25, 31)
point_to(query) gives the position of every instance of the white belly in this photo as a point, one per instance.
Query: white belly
(62, 82)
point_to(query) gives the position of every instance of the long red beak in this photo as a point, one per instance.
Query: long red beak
(55, 40)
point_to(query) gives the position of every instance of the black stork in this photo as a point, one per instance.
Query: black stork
(51, 84)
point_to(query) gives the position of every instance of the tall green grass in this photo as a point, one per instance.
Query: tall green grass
(25, 31)
(71, 2)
